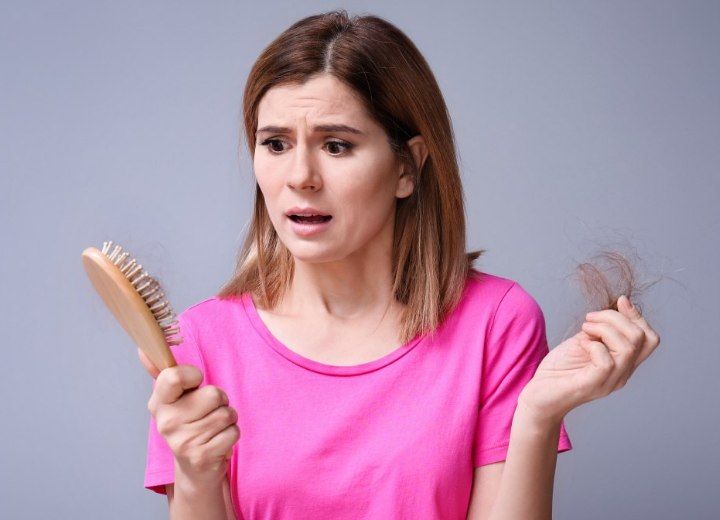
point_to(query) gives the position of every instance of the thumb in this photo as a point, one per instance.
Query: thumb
(626, 308)
(173, 382)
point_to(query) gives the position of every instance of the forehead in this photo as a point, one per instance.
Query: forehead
(322, 96)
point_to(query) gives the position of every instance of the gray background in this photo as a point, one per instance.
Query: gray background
(580, 125)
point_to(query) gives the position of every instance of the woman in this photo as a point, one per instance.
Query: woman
(373, 374)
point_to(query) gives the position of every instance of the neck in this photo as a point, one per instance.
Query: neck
(342, 290)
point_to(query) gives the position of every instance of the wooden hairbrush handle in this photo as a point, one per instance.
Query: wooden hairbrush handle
(136, 301)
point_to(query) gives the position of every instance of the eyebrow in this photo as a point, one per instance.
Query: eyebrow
(318, 128)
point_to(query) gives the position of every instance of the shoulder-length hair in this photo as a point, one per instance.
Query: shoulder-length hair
(383, 66)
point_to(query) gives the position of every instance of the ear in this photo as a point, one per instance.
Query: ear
(418, 150)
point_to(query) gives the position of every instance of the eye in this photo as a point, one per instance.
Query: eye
(274, 145)
(338, 147)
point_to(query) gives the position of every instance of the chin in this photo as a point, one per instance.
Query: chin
(311, 254)
(315, 258)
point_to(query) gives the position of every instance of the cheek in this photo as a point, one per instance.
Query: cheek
(267, 182)
(376, 188)
(370, 204)
(269, 191)
(375, 174)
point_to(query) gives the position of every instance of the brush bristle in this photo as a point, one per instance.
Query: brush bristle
(149, 290)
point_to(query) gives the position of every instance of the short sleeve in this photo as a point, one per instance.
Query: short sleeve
(514, 346)
(160, 466)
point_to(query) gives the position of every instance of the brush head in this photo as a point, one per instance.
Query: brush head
(136, 300)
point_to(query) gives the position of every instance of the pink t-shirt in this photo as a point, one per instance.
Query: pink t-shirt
(397, 437)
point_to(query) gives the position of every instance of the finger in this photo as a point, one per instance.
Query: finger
(620, 348)
(183, 435)
(196, 404)
(613, 338)
(184, 419)
(652, 339)
(213, 423)
(204, 456)
(174, 381)
(603, 365)
(149, 366)
(625, 306)
(222, 443)
(634, 333)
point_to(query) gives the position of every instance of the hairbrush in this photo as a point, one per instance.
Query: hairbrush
(136, 300)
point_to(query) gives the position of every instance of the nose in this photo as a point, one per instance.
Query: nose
(304, 174)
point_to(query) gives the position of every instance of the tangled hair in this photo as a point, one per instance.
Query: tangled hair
(393, 80)
(607, 276)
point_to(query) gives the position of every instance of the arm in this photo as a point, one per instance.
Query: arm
(595, 362)
(212, 504)
(522, 486)
(200, 428)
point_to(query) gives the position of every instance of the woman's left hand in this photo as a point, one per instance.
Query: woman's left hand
(595, 362)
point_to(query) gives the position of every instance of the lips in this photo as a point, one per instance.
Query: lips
(308, 216)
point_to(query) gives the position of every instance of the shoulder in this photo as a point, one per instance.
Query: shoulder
(213, 309)
(215, 317)
(210, 329)
(214, 304)
(493, 307)
(515, 333)
(501, 297)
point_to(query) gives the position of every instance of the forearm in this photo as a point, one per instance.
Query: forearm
(189, 500)
(526, 487)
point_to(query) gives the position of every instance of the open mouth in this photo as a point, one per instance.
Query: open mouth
(310, 219)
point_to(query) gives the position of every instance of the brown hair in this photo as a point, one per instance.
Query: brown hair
(382, 65)
(608, 274)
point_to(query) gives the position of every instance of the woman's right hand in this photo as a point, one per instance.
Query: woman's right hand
(197, 423)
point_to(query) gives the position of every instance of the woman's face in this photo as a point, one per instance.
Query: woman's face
(327, 173)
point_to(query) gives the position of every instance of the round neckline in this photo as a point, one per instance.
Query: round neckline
(317, 366)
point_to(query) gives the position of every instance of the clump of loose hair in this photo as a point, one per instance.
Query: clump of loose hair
(608, 275)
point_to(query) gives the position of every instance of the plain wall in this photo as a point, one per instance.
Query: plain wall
(579, 125)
